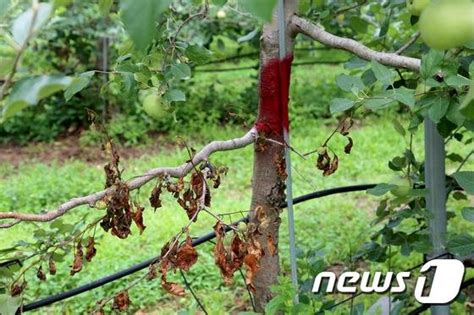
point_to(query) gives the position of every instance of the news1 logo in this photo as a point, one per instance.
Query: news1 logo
(445, 285)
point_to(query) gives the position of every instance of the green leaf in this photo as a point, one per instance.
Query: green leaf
(340, 104)
(4, 5)
(104, 6)
(398, 127)
(30, 91)
(175, 95)
(78, 84)
(24, 27)
(466, 181)
(431, 63)
(9, 304)
(467, 105)
(198, 54)
(379, 101)
(381, 189)
(461, 245)
(457, 81)
(262, 9)
(140, 17)
(358, 24)
(348, 83)
(382, 73)
(180, 71)
(468, 213)
(438, 109)
(405, 96)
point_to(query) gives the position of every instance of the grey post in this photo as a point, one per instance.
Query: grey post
(436, 195)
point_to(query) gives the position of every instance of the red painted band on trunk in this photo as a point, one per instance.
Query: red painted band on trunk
(274, 95)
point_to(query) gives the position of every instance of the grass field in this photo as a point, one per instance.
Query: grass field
(338, 224)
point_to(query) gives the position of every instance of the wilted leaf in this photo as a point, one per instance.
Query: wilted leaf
(252, 266)
(137, 217)
(155, 200)
(52, 266)
(121, 301)
(17, 288)
(348, 146)
(173, 288)
(91, 250)
(187, 255)
(40, 274)
(78, 257)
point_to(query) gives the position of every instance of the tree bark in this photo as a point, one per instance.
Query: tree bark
(268, 184)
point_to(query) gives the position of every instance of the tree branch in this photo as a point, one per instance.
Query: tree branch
(134, 183)
(301, 25)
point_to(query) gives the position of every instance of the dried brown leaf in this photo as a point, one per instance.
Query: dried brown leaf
(137, 217)
(173, 288)
(121, 301)
(186, 255)
(40, 274)
(52, 266)
(78, 258)
(155, 200)
(90, 249)
(349, 145)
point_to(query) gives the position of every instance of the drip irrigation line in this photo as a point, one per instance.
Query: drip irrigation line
(256, 66)
(198, 241)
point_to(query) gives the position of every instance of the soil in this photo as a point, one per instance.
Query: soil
(65, 149)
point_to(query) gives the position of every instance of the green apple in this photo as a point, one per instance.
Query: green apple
(417, 6)
(447, 24)
(153, 106)
(221, 14)
(403, 187)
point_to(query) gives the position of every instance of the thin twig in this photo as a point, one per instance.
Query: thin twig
(408, 44)
(188, 285)
(464, 161)
(248, 290)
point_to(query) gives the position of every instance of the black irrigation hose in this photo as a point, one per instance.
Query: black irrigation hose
(198, 241)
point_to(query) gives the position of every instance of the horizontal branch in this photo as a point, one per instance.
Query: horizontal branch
(134, 183)
(301, 25)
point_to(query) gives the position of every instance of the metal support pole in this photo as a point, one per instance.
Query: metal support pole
(286, 137)
(436, 195)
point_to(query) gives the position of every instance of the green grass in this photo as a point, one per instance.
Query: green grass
(337, 224)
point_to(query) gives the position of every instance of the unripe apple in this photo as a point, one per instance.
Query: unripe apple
(153, 106)
(447, 24)
(221, 14)
(417, 6)
(403, 187)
